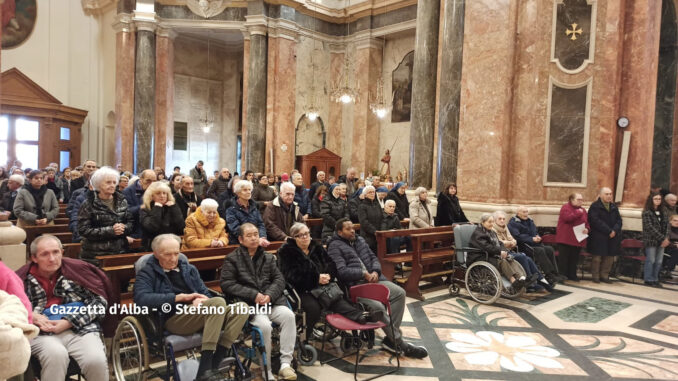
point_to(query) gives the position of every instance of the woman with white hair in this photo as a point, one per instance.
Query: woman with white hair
(104, 220)
(420, 212)
(244, 210)
(35, 204)
(204, 227)
(369, 216)
(9, 193)
(159, 214)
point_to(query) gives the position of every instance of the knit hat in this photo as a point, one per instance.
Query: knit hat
(382, 190)
(285, 177)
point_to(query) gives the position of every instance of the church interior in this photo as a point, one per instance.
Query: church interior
(515, 102)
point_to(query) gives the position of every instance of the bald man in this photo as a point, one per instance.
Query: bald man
(604, 240)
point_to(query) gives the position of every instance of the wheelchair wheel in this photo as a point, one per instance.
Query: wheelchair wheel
(453, 289)
(483, 282)
(307, 355)
(130, 351)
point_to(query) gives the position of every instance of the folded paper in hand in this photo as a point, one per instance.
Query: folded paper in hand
(579, 232)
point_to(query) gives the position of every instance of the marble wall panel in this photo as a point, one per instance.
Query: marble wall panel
(245, 92)
(124, 102)
(183, 12)
(365, 143)
(144, 100)
(572, 38)
(334, 126)
(164, 101)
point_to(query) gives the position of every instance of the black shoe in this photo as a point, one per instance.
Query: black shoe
(651, 284)
(596, 281)
(573, 279)
(608, 281)
(658, 285)
(415, 351)
(388, 345)
(518, 284)
(547, 285)
(362, 319)
(376, 316)
(532, 279)
(211, 375)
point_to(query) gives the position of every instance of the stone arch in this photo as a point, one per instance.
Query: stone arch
(309, 136)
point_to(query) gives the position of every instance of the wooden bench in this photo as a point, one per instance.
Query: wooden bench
(32, 232)
(427, 259)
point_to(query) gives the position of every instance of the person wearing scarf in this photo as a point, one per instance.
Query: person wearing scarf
(35, 204)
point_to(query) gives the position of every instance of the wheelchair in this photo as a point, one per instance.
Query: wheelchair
(140, 340)
(482, 280)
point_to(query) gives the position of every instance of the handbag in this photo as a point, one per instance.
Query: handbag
(327, 294)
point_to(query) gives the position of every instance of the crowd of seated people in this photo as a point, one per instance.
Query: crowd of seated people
(190, 211)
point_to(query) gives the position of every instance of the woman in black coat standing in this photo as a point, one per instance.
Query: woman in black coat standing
(449, 210)
(604, 240)
(306, 266)
(159, 214)
(369, 216)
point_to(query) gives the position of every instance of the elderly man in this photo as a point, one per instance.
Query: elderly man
(252, 275)
(670, 204)
(69, 298)
(219, 184)
(350, 179)
(13, 184)
(168, 279)
(88, 167)
(320, 176)
(524, 230)
(199, 177)
(186, 198)
(604, 240)
(356, 264)
(301, 196)
(281, 214)
(134, 195)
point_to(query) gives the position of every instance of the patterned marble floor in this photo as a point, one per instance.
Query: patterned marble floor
(580, 331)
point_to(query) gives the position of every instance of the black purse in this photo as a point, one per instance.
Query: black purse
(327, 294)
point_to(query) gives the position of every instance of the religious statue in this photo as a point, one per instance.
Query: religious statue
(387, 162)
(399, 177)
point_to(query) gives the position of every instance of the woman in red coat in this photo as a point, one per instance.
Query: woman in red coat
(571, 214)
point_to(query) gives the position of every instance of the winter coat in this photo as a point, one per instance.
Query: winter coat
(183, 200)
(315, 207)
(199, 233)
(199, 180)
(302, 198)
(244, 276)
(314, 187)
(351, 186)
(160, 220)
(95, 226)
(277, 220)
(353, 206)
(332, 210)
(568, 218)
(78, 197)
(303, 271)
(389, 222)
(655, 227)
(7, 202)
(449, 210)
(523, 231)
(219, 185)
(370, 215)
(226, 200)
(237, 215)
(262, 194)
(402, 204)
(488, 242)
(134, 195)
(602, 224)
(65, 186)
(80, 182)
(16, 331)
(55, 188)
(420, 214)
(153, 287)
(347, 257)
(24, 206)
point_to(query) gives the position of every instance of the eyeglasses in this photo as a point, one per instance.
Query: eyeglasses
(303, 235)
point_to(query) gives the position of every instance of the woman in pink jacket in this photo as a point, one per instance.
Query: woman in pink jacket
(571, 214)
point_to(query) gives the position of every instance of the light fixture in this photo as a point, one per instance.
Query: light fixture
(343, 92)
(206, 122)
(380, 107)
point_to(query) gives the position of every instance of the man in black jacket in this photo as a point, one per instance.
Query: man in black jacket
(219, 184)
(185, 198)
(88, 167)
(350, 179)
(252, 275)
(356, 264)
(321, 181)
(12, 185)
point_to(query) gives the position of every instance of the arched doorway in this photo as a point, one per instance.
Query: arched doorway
(309, 136)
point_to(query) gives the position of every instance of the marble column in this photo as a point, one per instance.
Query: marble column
(639, 84)
(334, 124)
(280, 118)
(256, 100)
(424, 93)
(124, 89)
(144, 97)
(450, 92)
(164, 98)
(243, 118)
(365, 144)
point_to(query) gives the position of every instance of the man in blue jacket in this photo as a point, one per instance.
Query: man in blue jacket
(524, 230)
(168, 280)
(356, 264)
(134, 195)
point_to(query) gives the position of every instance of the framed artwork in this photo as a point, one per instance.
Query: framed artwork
(402, 89)
(18, 21)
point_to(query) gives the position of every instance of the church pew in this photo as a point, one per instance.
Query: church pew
(32, 232)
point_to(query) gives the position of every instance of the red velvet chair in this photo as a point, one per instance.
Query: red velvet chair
(374, 291)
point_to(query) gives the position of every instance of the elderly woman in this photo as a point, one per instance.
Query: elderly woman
(571, 214)
(449, 211)
(398, 195)
(52, 184)
(370, 215)
(354, 203)
(263, 194)
(333, 208)
(485, 239)
(420, 212)
(244, 210)
(390, 221)
(204, 228)
(307, 267)
(35, 204)
(104, 220)
(531, 270)
(123, 183)
(159, 214)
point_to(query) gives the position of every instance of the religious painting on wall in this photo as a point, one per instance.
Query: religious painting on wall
(574, 33)
(567, 134)
(309, 136)
(402, 89)
(18, 21)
